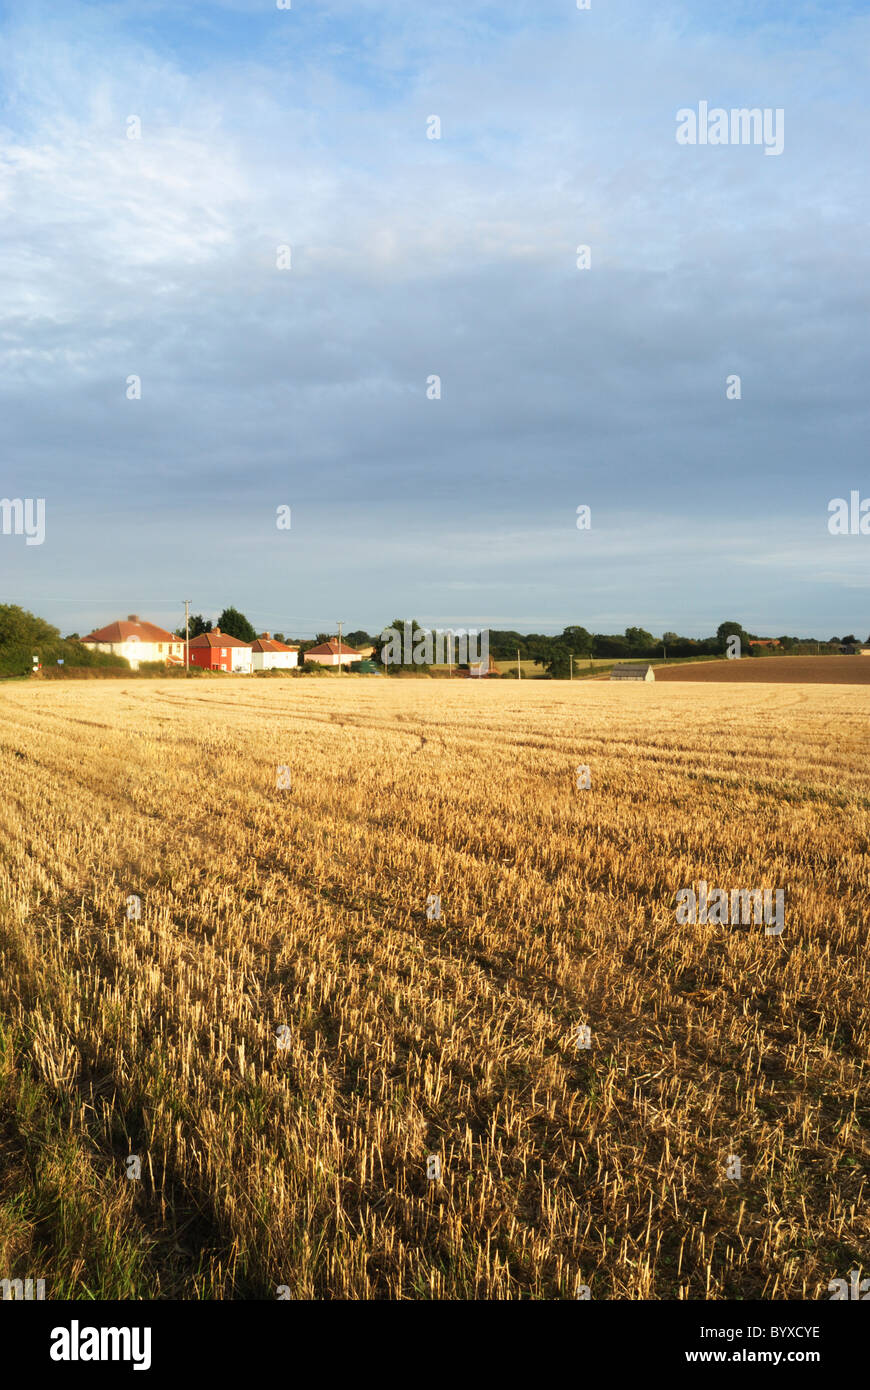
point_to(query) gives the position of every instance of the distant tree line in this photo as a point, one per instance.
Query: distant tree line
(554, 654)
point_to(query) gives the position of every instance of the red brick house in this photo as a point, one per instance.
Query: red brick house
(218, 651)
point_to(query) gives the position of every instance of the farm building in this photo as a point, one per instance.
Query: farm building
(217, 651)
(480, 670)
(331, 654)
(270, 655)
(137, 641)
(633, 671)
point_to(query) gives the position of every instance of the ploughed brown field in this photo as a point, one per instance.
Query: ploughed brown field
(234, 1028)
(775, 670)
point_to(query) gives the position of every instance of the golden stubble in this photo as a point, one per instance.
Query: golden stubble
(299, 1158)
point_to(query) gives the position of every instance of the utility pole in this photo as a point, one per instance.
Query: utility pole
(519, 666)
(187, 636)
(339, 648)
(572, 665)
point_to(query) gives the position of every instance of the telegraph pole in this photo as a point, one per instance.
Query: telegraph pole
(572, 665)
(519, 667)
(339, 648)
(187, 636)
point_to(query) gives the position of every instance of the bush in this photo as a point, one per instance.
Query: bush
(16, 658)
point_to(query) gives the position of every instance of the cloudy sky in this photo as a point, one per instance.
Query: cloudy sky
(262, 386)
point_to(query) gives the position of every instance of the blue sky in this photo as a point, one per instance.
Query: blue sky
(306, 387)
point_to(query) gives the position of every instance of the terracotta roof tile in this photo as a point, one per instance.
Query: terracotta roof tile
(122, 631)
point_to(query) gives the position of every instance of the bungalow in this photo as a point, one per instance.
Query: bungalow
(137, 641)
(218, 651)
(332, 654)
(270, 655)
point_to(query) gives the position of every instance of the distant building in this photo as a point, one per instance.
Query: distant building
(271, 655)
(633, 671)
(137, 641)
(480, 670)
(764, 642)
(218, 651)
(331, 654)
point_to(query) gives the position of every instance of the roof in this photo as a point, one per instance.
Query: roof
(123, 631)
(216, 638)
(332, 648)
(265, 643)
(632, 671)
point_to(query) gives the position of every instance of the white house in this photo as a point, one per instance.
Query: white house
(137, 641)
(271, 655)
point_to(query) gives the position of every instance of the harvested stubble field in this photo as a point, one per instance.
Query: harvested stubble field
(300, 915)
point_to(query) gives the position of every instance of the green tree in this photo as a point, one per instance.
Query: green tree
(733, 629)
(639, 639)
(611, 644)
(559, 663)
(576, 640)
(18, 626)
(198, 626)
(235, 624)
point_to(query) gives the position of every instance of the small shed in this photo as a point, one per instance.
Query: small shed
(633, 671)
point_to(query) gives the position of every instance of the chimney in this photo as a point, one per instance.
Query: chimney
(132, 617)
(268, 636)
